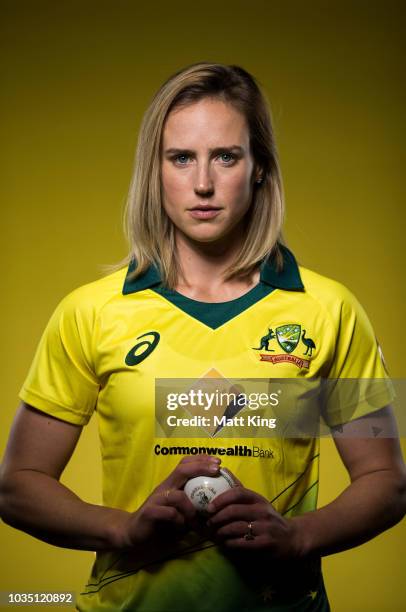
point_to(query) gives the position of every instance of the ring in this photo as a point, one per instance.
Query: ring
(249, 535)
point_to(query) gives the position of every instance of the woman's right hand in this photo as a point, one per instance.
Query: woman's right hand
(167, 511)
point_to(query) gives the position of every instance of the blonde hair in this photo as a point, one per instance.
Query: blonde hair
(149, 231)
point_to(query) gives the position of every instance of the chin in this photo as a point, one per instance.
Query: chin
(207, 234)
(206, 237)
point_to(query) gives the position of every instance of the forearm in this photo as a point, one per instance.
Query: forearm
(43, 507)
(369, 505)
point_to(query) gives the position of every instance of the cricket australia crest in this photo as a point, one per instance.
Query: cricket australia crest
(288, 337)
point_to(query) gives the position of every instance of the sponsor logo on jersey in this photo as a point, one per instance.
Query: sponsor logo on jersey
(237, 450)
(143, 349)
(290, 337)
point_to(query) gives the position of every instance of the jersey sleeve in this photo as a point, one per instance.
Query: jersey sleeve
(61, 380)
(357, 382)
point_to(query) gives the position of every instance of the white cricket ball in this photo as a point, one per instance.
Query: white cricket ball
(203, 489)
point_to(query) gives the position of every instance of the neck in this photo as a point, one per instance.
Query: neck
(203, 266)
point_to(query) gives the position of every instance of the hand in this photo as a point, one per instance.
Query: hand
(167, 512)
(239, 513)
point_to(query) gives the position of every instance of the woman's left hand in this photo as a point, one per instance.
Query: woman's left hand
(241, 518)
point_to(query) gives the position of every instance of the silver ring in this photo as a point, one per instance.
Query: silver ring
(249, 535)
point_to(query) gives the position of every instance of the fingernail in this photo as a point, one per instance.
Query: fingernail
(210, 508)
(214, 468)
(215, 460)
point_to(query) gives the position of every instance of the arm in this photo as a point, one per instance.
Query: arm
(32, 498)
(376, 497)
(374, 501)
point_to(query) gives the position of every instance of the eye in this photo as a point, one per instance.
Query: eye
(181, 159)
(227, 158)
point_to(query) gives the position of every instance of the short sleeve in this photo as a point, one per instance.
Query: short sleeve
(357, 381)
(61, 380)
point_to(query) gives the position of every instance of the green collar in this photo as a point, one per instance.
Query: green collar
(288, 278)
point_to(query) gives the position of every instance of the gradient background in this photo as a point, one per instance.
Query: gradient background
(76, 77)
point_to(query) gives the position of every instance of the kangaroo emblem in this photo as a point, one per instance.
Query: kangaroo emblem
(265, 341)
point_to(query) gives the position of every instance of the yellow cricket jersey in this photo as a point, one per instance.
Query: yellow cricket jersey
(103, 349)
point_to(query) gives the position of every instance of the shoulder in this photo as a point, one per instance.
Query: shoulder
(335, 298)
(100, 291)
(89, 299)
(324, 289)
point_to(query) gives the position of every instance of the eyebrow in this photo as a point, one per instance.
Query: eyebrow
(235, 148)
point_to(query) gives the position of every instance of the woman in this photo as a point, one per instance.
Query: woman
(210, 293)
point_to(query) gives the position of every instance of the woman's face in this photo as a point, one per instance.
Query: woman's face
(207, 170)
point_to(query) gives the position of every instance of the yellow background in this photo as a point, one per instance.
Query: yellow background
(76, 78)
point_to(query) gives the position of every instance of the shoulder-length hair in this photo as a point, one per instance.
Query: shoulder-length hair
(149, 230)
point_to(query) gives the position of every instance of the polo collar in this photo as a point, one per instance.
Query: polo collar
(288, 278)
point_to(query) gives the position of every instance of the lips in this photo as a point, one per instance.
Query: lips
(204, 212)
(206, 208)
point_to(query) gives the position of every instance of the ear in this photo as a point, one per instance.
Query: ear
(258, 175)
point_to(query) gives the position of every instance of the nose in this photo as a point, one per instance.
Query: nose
(204, 185)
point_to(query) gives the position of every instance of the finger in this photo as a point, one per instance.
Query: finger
(236, 495)
(239, 533)
(190, 469)
(236, 529)
(203, 458)
(179, 500)
(165, 514)
(239, 512)
(259, 543)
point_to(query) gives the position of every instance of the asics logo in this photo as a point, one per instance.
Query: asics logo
(142, 349)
